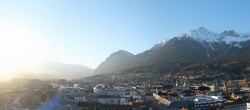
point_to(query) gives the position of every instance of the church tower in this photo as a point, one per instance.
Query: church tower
(224, 87)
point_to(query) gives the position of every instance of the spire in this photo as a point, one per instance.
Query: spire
(186, 83)
(176, 83)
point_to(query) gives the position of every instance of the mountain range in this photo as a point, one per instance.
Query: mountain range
(191, 47)
(196, 49)
(53, 70)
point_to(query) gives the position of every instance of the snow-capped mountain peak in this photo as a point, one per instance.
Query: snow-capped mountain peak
(204, 35)
(201, 34)
(208, 38)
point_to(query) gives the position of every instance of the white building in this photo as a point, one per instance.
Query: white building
(202, 101)
(248, 105)
(72, 93)
(112, 100)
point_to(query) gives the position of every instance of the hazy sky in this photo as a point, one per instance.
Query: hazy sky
(88, 31)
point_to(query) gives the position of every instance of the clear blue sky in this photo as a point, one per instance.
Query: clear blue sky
(88, 31)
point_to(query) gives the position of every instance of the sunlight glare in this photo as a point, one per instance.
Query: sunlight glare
(18, 48)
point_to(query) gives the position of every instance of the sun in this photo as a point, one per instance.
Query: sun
(18, 49)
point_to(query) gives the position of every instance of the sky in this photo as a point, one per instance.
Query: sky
(87, 31)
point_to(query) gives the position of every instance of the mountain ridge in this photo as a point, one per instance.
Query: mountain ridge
(193, 46)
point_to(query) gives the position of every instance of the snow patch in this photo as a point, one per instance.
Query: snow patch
(149, 55)
(208, 56)
(162, 43)
(238, 45)
(230, 39)
(211, 46)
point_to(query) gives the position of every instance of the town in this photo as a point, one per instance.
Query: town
(124, 55)
(140, 91)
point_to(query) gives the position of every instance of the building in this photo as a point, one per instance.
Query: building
(214, 88)
(248, 77)
(112, 100)
(239, 105)
(202, 101)
(169, 102)
(72, 93)
(113, 92)
(248, 105)
(183, 87)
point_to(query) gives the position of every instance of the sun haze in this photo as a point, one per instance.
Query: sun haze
(19, 48)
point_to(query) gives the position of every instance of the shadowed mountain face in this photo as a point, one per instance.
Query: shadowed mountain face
(193, 46)
(115, 62)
